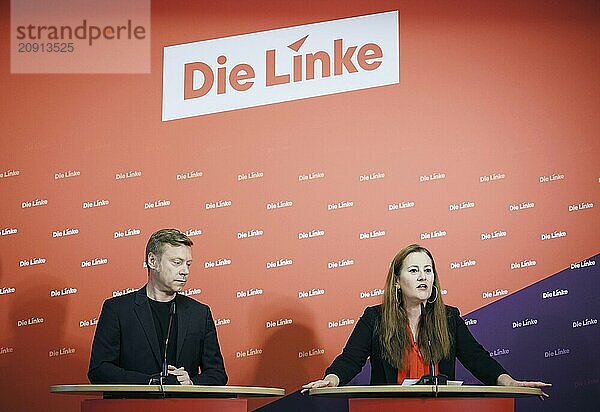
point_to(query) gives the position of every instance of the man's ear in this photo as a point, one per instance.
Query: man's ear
(152, 260)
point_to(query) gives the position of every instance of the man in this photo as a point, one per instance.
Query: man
(129, 344)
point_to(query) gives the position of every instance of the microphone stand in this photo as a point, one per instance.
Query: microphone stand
(431, 378)
(164, 373)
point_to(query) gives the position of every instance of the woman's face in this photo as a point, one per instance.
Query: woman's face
(416, 278)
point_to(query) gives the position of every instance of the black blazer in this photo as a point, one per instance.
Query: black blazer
(126, 349)
(364, 343)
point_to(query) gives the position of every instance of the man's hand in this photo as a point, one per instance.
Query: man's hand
(181, 374)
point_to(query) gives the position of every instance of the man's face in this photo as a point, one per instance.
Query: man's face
(170, 270)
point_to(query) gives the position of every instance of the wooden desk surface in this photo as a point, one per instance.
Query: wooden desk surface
(174, 390)
(463, 391)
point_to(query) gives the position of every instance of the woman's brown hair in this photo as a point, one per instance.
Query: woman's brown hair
(393, 324)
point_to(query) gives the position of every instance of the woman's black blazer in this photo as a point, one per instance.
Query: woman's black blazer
(364, 343)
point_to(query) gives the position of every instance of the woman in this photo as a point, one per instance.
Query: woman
(395, 334)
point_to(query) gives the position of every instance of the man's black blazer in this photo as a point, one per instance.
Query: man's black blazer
(364, 343)
(126, 348)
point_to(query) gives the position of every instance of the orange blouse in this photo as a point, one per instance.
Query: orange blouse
(416, 365)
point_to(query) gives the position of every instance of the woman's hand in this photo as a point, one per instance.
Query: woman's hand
(330, 380)
(507, 380)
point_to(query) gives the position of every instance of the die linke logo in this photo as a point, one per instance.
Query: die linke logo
(523, 323)
(523, 264)
(584, 322)
(126, 233)
(191, 292)
(192, 174)
(311, 352)
(88, 322)
(521, 206)
(551, 178)
(371, 176)
(193, 232)
(250, 233)
(280, 65)
(34, 203)
(8, 231)
(311, 234)
(10, 173)
(583, 264)
(128, 175)
(400, 205)
(7, 290)
(34, 320)
(433, 234)
(60, 352)
(66, 174)
(94, 262)
(32, 262)
(216, 263)
(62, 292)
(371, 293)
(278, 322)
(340, 322)
(432, 176)
(6, 349)
(500, 352)
(248, 352)
(248, 293)
(95, 203)
(492, 177)
(222, 321)
(255, 174)
(554, 293)
(122, 292)
(580, 206)
(311, 176)
(465, 263)
(494, 293)
(452, 207)
(65, 232)
(340, 263)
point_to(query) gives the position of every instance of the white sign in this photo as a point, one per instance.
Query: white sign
(280, 65)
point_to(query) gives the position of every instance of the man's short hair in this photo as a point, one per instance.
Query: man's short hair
(158, 240)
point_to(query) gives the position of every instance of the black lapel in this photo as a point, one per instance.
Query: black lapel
(183, 321)
(391, 373)
(144, 315)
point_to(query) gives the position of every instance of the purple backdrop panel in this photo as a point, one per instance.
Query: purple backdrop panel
(547, 331)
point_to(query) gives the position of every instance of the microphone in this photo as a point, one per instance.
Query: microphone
(431, 378)
(431, 364)
(171, 314)
(164, 372)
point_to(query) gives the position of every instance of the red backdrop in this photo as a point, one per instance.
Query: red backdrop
(509, 90)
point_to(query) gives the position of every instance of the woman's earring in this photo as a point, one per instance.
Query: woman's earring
(436, 295)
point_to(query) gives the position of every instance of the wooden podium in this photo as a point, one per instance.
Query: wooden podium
(150, 398)
(427, 397)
